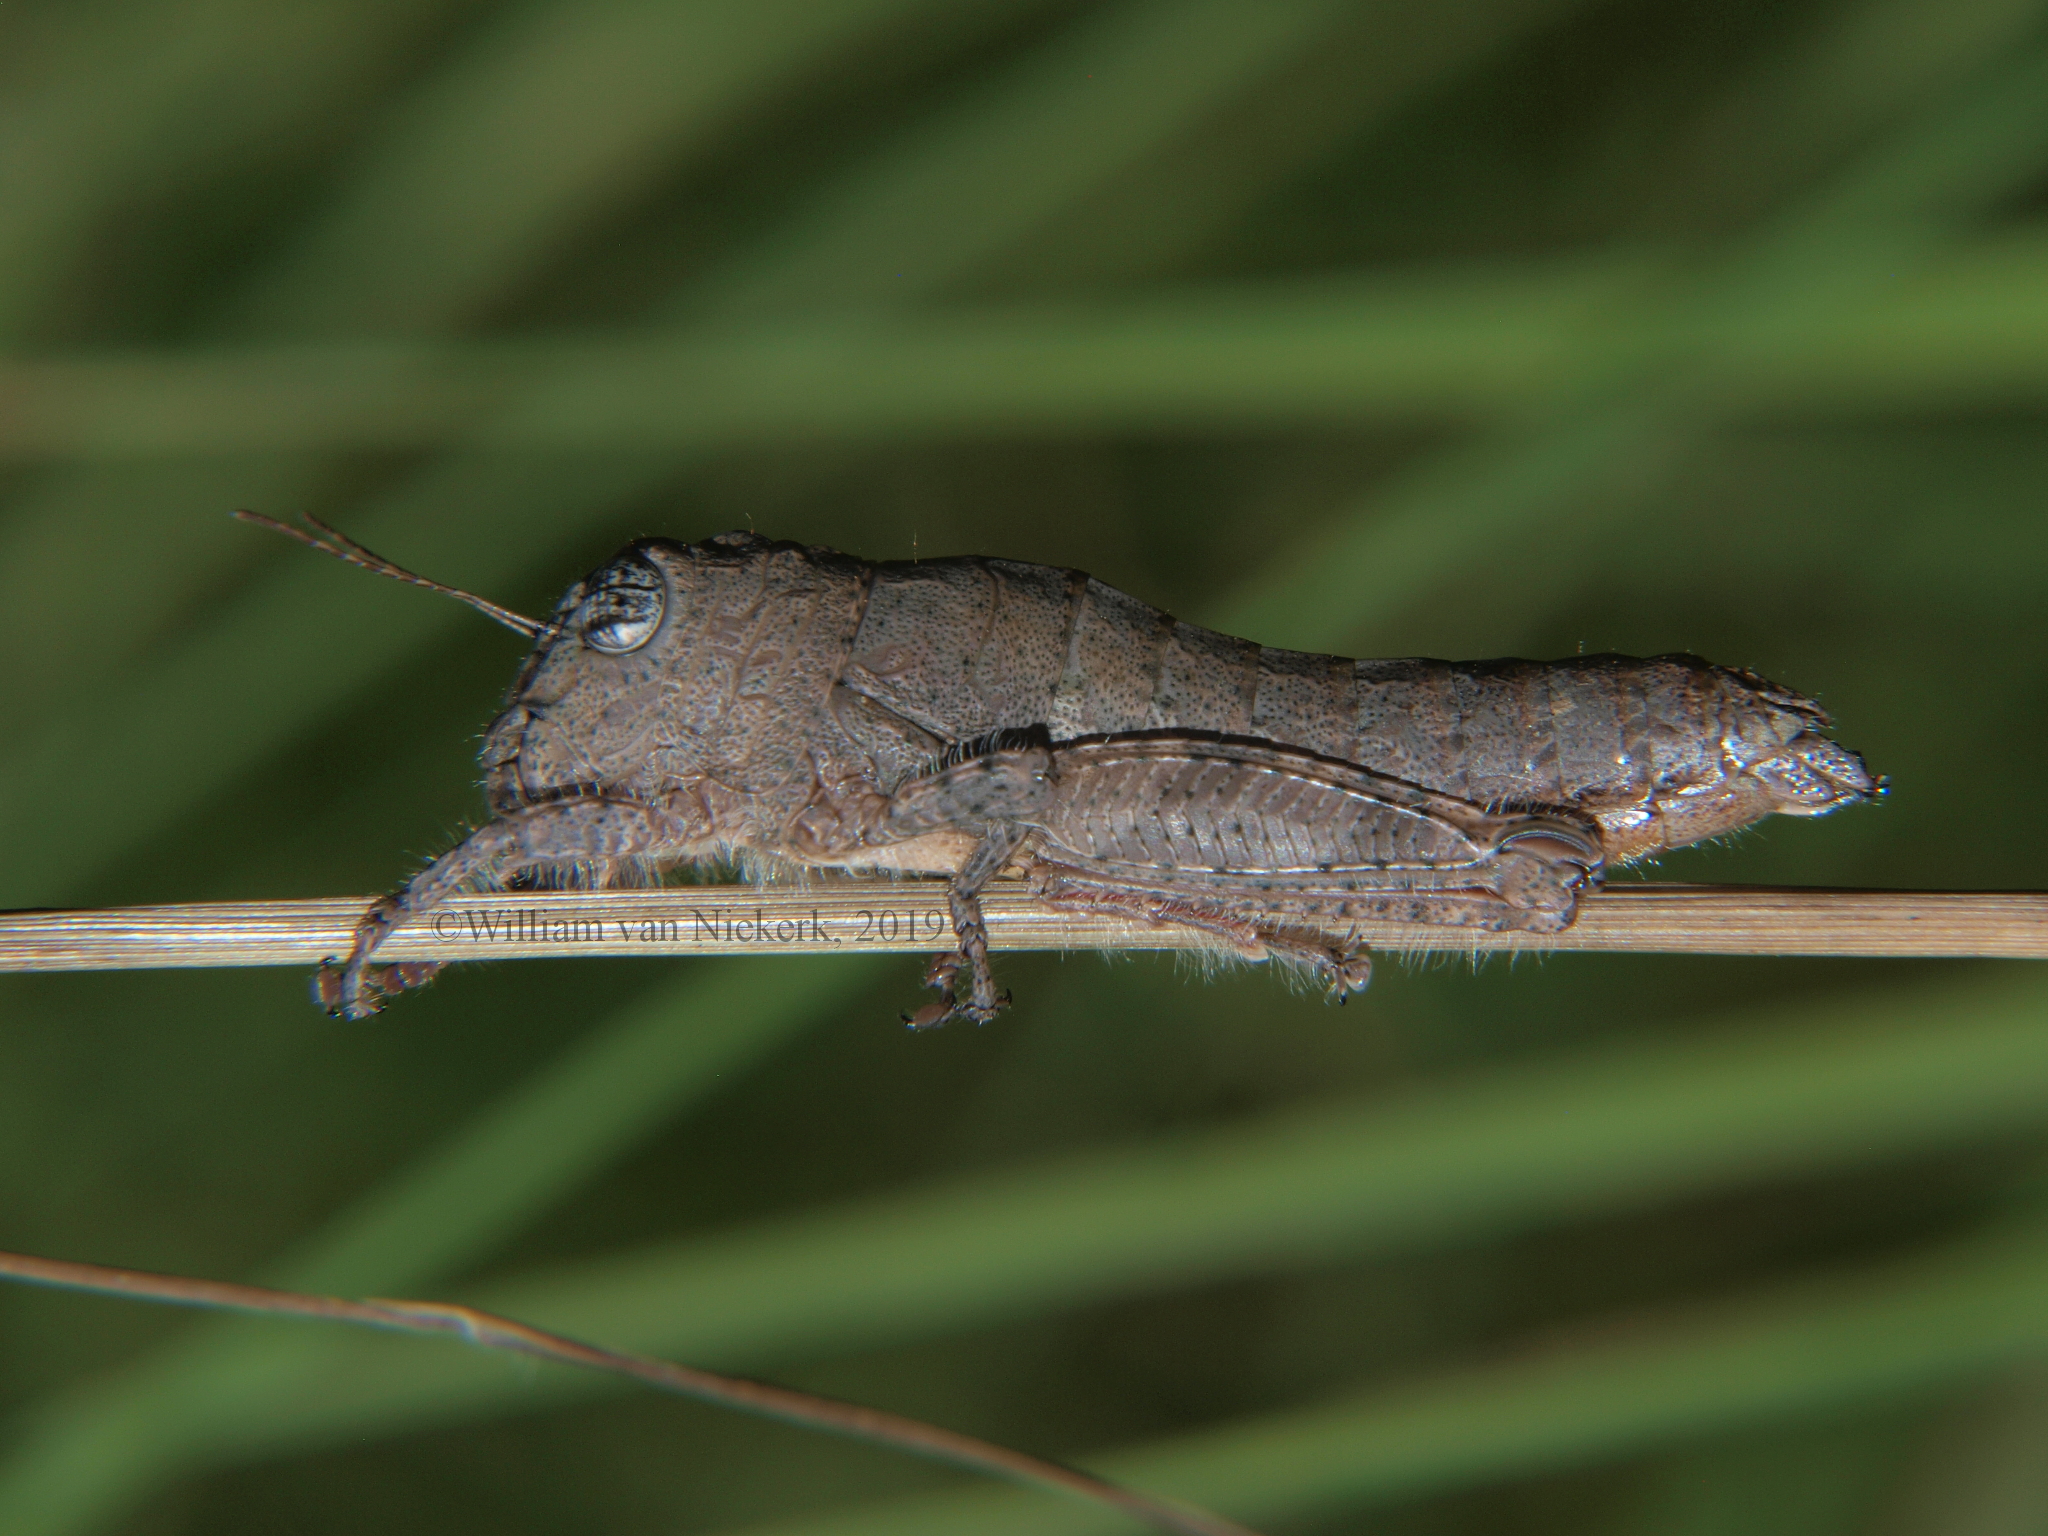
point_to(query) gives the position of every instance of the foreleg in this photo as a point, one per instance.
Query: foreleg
(560, 833)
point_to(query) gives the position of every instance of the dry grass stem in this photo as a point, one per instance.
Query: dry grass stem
(489, 1331)
(844, 916)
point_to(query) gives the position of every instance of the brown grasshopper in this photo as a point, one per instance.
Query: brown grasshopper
(791, 704)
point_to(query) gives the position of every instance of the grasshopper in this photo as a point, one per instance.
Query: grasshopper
(789, 704)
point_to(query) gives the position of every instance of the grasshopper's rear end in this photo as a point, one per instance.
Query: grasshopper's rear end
(1661, 752)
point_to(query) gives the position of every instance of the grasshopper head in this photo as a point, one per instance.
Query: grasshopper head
(669, 663)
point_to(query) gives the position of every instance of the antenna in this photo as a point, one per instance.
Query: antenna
(346, 549)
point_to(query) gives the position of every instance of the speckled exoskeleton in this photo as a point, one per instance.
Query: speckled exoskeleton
(966, 717)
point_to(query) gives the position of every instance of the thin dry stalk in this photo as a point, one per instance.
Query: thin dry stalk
(489, 1331)
(845, 916)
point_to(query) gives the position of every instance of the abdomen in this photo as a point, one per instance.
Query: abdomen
(1662, 751)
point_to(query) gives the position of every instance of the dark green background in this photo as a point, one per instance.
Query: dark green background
(1492, 327)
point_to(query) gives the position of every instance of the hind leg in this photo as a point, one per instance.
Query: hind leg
(1342, 965)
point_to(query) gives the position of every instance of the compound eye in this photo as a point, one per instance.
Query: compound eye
(625, 606)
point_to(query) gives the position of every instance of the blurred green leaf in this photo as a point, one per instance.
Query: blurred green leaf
(122, 100)
(1888, 216)
(459, 201)
(1979, 1471)
(1744, 305)
(85, 1459)
(1469, 1159)
(1826, 1343)
(1971, 331)
(546, 122)
(1790, 1484)
(955, 190)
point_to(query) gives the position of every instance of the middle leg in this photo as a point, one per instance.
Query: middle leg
(986, 793)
